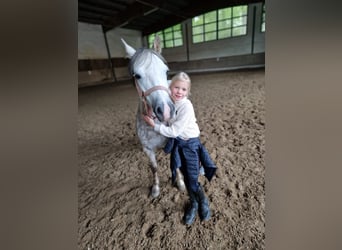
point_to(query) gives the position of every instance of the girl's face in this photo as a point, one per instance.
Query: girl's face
(179, 90)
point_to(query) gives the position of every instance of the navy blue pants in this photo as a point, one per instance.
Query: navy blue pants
(188, 155)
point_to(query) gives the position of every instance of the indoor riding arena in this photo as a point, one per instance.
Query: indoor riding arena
(115, 208)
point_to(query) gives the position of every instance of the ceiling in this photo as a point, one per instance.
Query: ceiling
(147, 16)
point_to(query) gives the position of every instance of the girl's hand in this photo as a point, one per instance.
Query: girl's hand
(148, 120)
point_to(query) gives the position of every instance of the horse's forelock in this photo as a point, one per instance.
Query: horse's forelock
(140, 56)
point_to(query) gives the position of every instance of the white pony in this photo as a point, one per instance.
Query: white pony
(149, 70)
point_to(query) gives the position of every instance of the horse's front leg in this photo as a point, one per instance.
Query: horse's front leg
(154, 167)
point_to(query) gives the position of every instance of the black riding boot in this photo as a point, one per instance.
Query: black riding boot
(204, 209)
(190, 214)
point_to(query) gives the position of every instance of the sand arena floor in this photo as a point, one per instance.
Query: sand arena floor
(115, 209)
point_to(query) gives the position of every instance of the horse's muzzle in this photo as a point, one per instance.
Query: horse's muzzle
(164, 111)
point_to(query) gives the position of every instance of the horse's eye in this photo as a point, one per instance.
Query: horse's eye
(136, 76)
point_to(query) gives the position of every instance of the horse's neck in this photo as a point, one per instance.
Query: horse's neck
(147, 136)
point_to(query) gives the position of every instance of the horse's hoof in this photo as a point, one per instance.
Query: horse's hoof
(155, 191)
(181, 185)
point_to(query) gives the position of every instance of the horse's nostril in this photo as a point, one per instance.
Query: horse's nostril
(159, 111)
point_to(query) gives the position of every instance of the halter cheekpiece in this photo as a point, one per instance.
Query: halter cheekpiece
(143, 94)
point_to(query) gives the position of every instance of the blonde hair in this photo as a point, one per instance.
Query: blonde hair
(184, 77)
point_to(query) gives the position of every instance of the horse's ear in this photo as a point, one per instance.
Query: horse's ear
(157, 44)
(129, 50)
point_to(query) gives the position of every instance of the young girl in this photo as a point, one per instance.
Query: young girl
(187, 152)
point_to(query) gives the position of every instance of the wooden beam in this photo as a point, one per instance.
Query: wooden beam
(96, 9)
(133, 11)
(198, 7)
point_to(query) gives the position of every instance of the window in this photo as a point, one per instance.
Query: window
(263, 27)
(170, 37)
(220, 24)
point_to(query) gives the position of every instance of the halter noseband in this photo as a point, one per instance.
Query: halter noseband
(143, 94)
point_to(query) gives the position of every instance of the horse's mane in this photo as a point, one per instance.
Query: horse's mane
(141, 55)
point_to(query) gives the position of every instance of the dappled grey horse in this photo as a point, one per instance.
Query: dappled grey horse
(149, 70)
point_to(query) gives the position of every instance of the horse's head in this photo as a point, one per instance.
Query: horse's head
(149, 70)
